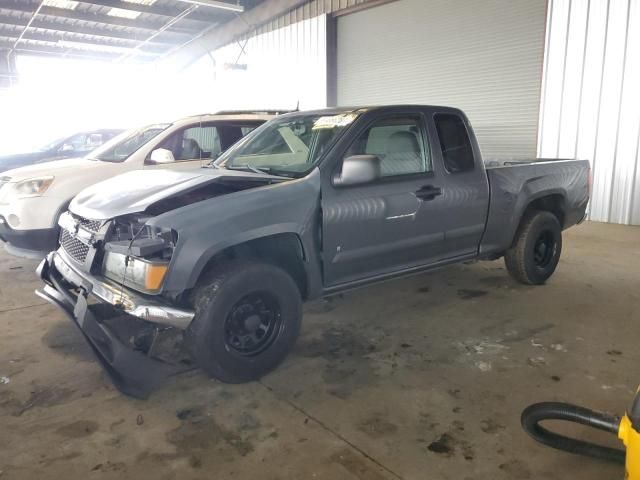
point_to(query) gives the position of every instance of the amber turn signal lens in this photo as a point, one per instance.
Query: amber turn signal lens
(155, 276)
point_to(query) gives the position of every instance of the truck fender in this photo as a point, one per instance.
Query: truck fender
(529, 203)
(263, 232)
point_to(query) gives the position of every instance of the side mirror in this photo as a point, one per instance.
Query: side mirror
(67, 147)
(160, 156)
(358, 170)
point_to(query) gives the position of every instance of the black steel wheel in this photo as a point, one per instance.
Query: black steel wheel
(535, 253)
(247, 319)
(253, 324)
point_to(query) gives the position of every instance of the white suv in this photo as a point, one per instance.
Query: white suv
(33, 198)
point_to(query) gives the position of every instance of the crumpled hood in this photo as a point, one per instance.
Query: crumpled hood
(135, 191)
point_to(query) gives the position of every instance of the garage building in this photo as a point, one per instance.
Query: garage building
(525, 72)
(422, 377)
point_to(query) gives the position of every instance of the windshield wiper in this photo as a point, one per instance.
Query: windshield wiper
(260, 170)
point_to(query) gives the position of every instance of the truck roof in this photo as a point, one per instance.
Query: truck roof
(373, 108)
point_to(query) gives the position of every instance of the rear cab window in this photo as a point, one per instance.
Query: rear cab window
(457, 152)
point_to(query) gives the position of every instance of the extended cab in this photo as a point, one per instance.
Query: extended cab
(307, 205)
(32, 198)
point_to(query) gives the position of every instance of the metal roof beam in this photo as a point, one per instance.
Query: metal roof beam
(63, 13)
(100, 41)
(82, 30)
(58, 51)
(206, 15)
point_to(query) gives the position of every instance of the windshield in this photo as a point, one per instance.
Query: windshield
(51, 145)
(122, 146)
(290, 146)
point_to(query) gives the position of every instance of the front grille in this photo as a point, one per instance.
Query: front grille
(91, 225)
(75, 248)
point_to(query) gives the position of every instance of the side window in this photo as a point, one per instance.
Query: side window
(454, 141)
(77, 143)
(399, 144)
(94, 140)
(199, 142)
(194, 143)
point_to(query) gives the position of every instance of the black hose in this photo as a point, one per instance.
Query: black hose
(534, 414)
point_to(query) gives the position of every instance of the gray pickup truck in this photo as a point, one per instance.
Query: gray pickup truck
(216, 262)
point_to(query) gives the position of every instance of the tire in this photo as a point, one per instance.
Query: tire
(247, 319)
(536, 249)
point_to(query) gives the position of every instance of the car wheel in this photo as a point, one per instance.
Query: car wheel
(247, 319)
(536, 251)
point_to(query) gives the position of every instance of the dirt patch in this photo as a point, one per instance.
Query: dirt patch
(357, 465)
(448, 445)
(377, 426)
(46, 462)
(199, 431)
(527, 333)
(466, 294)
(490, 426)
(40, 397)
(336, 344)
(348, 365)
(109, 467)
(79, 429)
(515, 469)
(198, 435)
(445, 445)
(496, 281)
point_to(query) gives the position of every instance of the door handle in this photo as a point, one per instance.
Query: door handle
(428, 192)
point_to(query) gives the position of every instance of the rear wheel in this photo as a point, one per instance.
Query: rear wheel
(247, 319)
(536, 251)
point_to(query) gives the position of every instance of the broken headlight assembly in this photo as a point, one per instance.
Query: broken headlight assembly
(137, 273)
(137, 255)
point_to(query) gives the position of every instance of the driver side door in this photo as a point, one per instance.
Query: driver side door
(389, 225)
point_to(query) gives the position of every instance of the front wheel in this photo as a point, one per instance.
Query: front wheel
(536, 251)
(247, 319)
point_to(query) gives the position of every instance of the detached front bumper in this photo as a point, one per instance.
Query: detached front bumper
(109, 327)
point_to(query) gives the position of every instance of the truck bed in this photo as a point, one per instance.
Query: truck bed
(514, 184)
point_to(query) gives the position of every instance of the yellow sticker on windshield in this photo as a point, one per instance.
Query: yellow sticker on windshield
(334, 121)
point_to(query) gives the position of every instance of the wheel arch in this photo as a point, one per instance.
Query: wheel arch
(283, 249)
(553, 202)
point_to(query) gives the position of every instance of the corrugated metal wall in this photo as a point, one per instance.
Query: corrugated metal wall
(285, 58)
(591, 99)
(484, 56)
(279, 68)
(310, 10)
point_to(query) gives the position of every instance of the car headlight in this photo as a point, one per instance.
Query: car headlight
(137, 273)
(33, 187)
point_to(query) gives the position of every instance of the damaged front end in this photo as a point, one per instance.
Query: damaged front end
(107, 277)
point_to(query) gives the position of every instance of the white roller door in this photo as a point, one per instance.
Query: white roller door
(484, 56)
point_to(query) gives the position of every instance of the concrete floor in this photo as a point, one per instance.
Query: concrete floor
(419, 378)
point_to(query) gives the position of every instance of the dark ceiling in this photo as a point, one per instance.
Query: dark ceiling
(117, 30)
